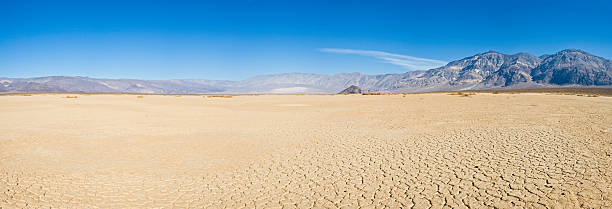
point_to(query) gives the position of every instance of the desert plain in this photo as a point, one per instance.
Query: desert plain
(486, 150)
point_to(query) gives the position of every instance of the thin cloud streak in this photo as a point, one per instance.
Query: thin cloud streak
(409, 62)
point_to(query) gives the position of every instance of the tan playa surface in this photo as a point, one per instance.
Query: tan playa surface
(324, 151)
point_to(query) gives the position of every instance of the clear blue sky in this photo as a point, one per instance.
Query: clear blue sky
(239, 39)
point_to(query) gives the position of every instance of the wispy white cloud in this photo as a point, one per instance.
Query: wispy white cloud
(409, 62)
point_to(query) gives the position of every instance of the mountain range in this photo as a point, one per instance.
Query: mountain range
(489, 70)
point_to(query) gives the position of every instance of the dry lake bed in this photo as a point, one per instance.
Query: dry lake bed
(527, 150)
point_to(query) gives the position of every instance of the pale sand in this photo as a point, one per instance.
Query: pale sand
(327, 151)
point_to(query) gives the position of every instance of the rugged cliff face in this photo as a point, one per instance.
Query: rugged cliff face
(516, 69)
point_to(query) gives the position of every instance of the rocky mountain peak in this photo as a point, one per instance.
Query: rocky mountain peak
(351, 90)
(572, 66)
(566, 51)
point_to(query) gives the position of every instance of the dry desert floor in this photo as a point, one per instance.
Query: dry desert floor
(525, 150)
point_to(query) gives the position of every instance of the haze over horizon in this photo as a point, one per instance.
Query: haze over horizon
(235, 40)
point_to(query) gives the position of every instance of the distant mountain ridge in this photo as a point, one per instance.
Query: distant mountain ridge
(489, 70)
(493, 70)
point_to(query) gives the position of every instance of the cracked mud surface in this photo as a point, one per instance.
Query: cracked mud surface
(385, 151)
